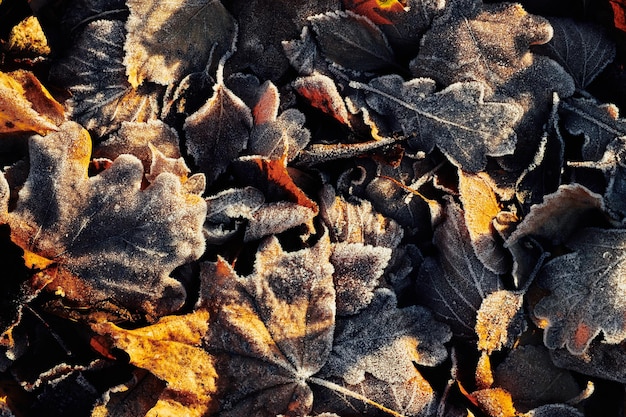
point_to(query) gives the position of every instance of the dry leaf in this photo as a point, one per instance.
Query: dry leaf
(26, 105)
(171, 349)
(102, 238)
(499, 320)
(285, 136)
(321, 92)
(167, 41)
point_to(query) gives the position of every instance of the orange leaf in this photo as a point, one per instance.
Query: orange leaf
(378, 11)
(619, 14)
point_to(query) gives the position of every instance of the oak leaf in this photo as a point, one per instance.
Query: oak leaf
(171, 349)
(102, 238)
(167, 41)
(587, 291)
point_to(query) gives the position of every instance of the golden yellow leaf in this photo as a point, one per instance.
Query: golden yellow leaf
(171, 350)
(26, 105)
(495, 402)
(28, 37)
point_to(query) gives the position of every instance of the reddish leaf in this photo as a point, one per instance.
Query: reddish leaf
(378, 11)
(619, 13)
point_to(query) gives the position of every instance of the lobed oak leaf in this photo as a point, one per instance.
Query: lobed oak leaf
(587, 291)
(583, 49)
(457, 119)
(102, 237)
(352, 41)
(455, 283)
(218, 131)
(102, 99)
(171, 349)
(272, 330)
(167, 41)
(26, 105)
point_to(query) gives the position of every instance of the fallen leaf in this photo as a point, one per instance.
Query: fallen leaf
(133, 398)
(455, 283)
(218, 131)
(554, 410)
(102, 100)
(430, 118)
(586, 291)
(228, 210)
(495, 402)
(352, 41)
(167, 41)
(583, 49)
(381, 12)
(104, 238)
(171, 349)
(499, 320)
(619, 14)
(285, 136)
(26, 105)
(321, 92)
(28, 37)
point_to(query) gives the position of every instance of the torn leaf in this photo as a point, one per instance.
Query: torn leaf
(102, 238)
(167, 41)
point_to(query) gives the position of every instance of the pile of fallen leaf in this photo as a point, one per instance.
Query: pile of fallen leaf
(279, 207)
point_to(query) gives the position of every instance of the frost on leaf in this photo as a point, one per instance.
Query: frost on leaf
(218, 131)
(384, 341)
(102, 238)
(171, 349)
(228, 211)
(455, 283)
(499, 320)
(457, 119)
(285, 136)
(587, 291)
(352, 41)
(321, 92)
(583, 49)
(168, 40)
(598, 123)
(272, 330)
(102, 99)
(26, 105)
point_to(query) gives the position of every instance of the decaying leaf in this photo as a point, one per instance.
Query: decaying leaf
(228, 210)
(352, 41)
(26, 105)
(499, 320)
(218, 131)
(587, 291)
(132, 398)
(171, 349)
(284, 136)
(321, 91)
(455, 283)
(430, 118)
(28, 37)
(102, 238)
(167, 41)
(583, 49)
(378, 11)
(94, 74)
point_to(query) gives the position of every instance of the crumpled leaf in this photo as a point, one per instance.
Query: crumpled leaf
(352, 41)
(582, 48)
(218, 131)
(455, 283)
(27, 37)
(227, 210)
(26, 105)
(384, 341)
(102, 100)
(587, 291)
(272, 330)
(102, 238)
(277, 217)
(531, 378)
(168, 40)
(285, 136)
(457, 119)
(171, 350)
(598, 123)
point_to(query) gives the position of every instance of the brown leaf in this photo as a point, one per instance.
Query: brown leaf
(499, 320)
(321, 92)
(171, 349)
(26, 105)
(167, 41)
(103, 237)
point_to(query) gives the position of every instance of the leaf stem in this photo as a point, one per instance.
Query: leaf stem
(343, 390)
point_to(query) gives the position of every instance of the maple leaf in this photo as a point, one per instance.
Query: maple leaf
(26, 105)
(587, 291)
(102, 99)
(457, 119)
(102, 238)
(167, 41)
(455, 283)
(171, 350)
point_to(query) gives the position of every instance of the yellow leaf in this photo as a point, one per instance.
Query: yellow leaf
(28, 37)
